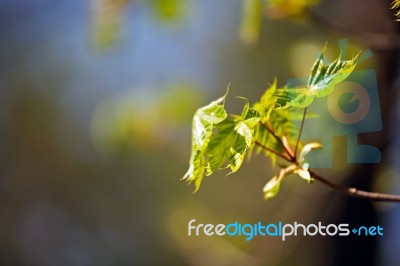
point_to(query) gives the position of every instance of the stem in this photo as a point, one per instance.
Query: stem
(285, 147)
(348, 191)
(272, 151)
(355, 193)
(300, 131)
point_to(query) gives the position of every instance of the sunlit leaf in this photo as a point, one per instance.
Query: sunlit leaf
(231, 141)
(271, 189)
(226, 146)
(278, 120)
(321, 83)
(219, 142)
(303, 173)
(294, 97)
(196, 169)
(267, 101)
(307, 148)
(324, 78)
(203, 124)
(204, 120)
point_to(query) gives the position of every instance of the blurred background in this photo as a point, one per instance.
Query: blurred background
(96, 101)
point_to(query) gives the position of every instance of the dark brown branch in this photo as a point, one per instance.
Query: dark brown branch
(348, 191)
(355, 193)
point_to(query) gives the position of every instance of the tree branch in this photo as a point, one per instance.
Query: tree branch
(279, 139)
(348, 191)
(272, 151)
(355, 193)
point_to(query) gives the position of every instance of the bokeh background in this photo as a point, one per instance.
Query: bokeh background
(96, 100)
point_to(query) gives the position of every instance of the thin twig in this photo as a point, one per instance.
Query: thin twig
(355, 193)
(287, 150)
(348, 191)
(272, 151)
(300, 131)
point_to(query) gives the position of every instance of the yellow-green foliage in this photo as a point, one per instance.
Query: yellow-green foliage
(221, 141)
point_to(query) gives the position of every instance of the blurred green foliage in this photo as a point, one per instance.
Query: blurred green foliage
(108, 17)
(142, 120)
(107, 20)
(168, 10)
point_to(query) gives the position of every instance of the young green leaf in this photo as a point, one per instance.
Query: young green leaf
(321, 83)
(293, 97)
(280, 120)
(267, 102)
(271, 189)
(219, 141)
(307, 148)
(196, 169)
(324, 78)
(204, 120)
(227, 145)
(203, 124)
(231, 141)
(303, 173)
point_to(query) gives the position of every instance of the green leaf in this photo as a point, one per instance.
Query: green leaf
(293, 97)
(271, 189)
(232, 139)
(303, 173)
(203, 124)
(196, 169)
(307, 148)
(218, 141)
(324, 78)
(321, 83)
(204, 120)
(267, 102)
(227, 145)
